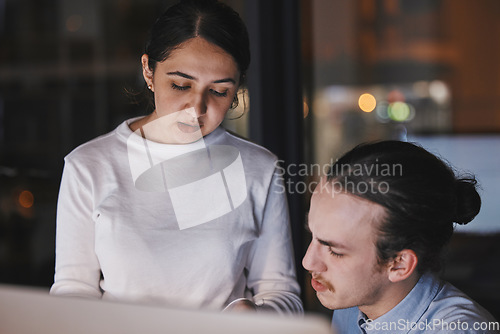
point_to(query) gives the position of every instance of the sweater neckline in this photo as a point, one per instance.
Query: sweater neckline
(124, 131)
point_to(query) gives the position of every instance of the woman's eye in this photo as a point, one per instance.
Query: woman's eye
(177, 87)
(218, 94)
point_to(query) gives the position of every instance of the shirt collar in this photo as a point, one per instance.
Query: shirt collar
(214, 136)
(412, 307)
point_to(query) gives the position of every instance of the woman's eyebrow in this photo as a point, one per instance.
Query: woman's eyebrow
(190, 77)
(180, 74)
(225, 80)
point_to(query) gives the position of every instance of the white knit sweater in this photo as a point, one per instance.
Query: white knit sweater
(117, 240)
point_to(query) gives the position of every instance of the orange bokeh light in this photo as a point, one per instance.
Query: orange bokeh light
(26, 199)
(367, 102)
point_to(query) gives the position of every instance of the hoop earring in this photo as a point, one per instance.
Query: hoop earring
(242, 94)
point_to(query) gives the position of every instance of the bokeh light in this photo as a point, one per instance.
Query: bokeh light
(367, 102)
(395, 95)
(74, 23)
(439, 91)
(26, 199)
(381, 112)
(399, 111)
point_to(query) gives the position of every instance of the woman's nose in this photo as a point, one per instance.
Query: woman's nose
(191, 111)
(198, 104)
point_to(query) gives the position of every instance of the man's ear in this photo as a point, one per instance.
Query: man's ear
(147, 72)
(403, 265)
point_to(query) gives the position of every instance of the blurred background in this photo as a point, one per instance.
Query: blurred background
(325, 75)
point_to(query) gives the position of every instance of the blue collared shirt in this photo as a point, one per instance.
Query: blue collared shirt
(432, 306)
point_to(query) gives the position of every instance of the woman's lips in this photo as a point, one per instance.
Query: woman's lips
(188, 128)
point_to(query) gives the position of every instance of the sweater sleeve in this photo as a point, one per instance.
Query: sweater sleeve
(77, 271)
(271, 266)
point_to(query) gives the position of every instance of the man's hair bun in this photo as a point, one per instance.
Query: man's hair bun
(468, 201)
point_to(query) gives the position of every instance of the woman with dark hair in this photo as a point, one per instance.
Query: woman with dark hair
(170, 208)
(379, 221)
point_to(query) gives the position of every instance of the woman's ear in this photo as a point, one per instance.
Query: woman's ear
(147, 72)
(403, 265)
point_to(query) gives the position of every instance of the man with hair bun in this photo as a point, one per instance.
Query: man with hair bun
(374, 254)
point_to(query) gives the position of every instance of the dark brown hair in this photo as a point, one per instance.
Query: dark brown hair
(421, 194)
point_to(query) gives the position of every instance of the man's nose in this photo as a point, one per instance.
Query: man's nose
(312, 261)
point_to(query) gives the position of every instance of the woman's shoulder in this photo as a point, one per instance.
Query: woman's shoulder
(104, 145)
(248, 148)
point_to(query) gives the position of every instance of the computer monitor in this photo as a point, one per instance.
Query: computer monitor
(33, 311)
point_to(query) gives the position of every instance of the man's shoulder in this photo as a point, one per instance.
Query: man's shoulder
(452, 305)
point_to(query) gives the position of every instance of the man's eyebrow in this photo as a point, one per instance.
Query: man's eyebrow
(190, 77)
(332, 244)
